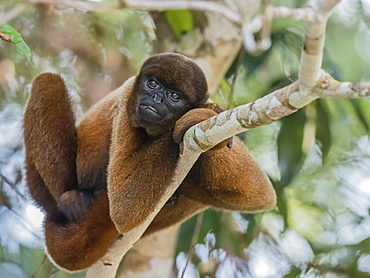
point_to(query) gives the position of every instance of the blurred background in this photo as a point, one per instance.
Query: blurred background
(318, 158)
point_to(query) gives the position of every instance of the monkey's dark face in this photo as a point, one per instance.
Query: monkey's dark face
(158, 103)
(167, 87)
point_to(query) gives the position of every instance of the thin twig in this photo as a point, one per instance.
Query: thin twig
(148, 5)
(233, 82)
(186, 5)
(85, 6)
(263, 22)
(206, 6)
(26, 225)
(330, 88)
(12, 13)
(13, 186)
(193, 241)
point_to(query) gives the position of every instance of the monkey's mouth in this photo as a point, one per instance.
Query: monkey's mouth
(151, 108)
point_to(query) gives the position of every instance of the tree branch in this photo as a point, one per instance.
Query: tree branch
(148, 5)
(107, 266)
(312, 52)
(316, 12)
(331, 88)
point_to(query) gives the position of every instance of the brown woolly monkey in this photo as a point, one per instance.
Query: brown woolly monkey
(129, 142)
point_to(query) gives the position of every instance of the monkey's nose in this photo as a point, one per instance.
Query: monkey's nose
(157, 98)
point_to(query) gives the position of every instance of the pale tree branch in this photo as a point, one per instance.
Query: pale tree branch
(85, 6)
(148, 5)
(107, 266)
(312, 53)
(330, 88)
(267, 109)
(316, 13)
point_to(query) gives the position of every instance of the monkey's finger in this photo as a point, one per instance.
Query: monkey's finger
(230, 143)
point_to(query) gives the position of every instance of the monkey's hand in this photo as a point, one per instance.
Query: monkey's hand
(194, 117)
(74, 203)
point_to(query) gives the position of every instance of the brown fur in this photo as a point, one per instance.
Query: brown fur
(51, 112)
(140, 166)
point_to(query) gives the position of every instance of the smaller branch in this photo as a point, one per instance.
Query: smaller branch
(264, 41)
(267, 109)
(207, 134)
(85, 6)
(331, 88)
(149, 5)
(315, 13)
(254, 25)
(305, 14)
(263, 23)
(311, 59)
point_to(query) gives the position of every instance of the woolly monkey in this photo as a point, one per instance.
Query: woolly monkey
(129, 141)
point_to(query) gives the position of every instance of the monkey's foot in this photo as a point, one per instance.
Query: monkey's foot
(74, 203)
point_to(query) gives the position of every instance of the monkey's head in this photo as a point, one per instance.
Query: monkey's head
(167, 86)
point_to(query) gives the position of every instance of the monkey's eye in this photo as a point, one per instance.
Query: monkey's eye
(152, 84)
(174, 96)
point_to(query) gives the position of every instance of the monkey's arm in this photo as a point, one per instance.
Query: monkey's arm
(226, 178)
(140, 169)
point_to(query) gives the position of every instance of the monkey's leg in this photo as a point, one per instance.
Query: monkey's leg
(51, 145)
(230, 179)
(222, 177)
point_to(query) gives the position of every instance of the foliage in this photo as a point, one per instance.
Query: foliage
(16, 38)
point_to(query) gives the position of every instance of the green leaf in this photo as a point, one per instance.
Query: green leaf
(294, 272)
(289, 141)
(323, 133)
(17, 39)
(253, 229)
(281, 202)
(290, 156)
(181, 21)
(360, 114)
(364, 246)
